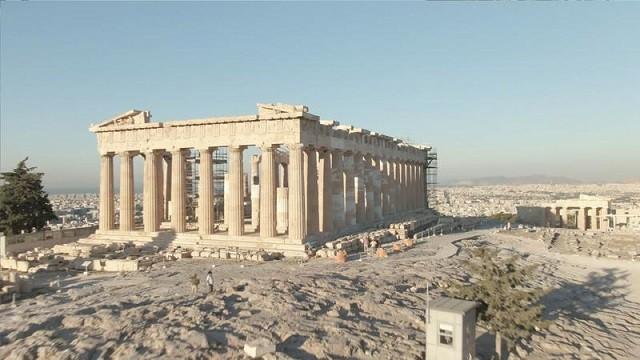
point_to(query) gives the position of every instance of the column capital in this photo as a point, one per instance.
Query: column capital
(237, 148)
(152, 151)
(107, 154)
(268, 147)
(335, 151)
(128, 153)
(206, 149)
(296, 146)
(176, 151)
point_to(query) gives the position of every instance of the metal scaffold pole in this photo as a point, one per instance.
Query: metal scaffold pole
(431, 180)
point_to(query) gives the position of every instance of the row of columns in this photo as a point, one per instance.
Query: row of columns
(587, 218)
(328, 189)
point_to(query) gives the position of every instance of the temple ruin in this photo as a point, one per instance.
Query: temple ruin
(587, 212)
(312, 180)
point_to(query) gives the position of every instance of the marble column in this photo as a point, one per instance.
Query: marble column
(150, 192)
(297, 221)
(403, 182)
(206, 216)
(127, 220)
(604, 221)
(159, 188)
(349, 191)
(397, 194)
(581, 220)
(337, 185)
(384, 187)
(417, 186)
(268, 200)
(106, 192)
(360, 194)
(236, 191)
(413, 196)
(369, 170)
(564, 217)
(419, 196)
(324, 192)
(255, 192)
(178, 191)
(227, 200)
(283, 175)
(282, 210)
(390, 193)
(411, 182)
(377, 189)
(167, 189)
(311, 190)
(558, 217)
(407, 185)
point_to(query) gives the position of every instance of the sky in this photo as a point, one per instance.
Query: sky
(508, 89)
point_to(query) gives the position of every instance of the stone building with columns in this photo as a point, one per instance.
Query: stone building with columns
(313, 179)
(587, 212)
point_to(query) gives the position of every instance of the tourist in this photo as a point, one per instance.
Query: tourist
(194, 283)
(210, 280)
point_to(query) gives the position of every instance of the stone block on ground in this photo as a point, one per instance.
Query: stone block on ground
(118, 265)
(22, 265)
(259, 347)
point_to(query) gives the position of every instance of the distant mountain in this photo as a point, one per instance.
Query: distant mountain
(631, 181)
(517, 180)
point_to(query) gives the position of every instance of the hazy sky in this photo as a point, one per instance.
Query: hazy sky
(498, 88)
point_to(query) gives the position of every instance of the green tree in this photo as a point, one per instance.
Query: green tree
(23, 203)
(509, 307)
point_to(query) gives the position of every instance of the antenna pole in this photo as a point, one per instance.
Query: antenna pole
(427, 320)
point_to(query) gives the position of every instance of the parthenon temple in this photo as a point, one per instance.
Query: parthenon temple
(311, 179)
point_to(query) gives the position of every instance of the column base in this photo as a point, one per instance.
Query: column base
(138, 238)
(197, 241)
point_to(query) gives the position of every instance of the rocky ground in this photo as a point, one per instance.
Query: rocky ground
(372, 308)
(613, 245)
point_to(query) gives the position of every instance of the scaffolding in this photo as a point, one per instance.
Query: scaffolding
(431, 180)
(193, 178)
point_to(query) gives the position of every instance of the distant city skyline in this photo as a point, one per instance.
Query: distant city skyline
(497, 89)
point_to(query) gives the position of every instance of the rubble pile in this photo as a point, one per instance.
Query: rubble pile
(114, 257)
(223, 253)
(406, 229)
(355, 243)
(12, 282)
(613, 245)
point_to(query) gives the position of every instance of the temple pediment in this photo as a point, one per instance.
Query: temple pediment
(131, 117)
(278, 108)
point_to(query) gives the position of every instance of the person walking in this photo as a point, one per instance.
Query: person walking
(210, 280)
(194, 283)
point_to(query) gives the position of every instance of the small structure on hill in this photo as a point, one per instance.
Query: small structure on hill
(451, 329)
(587, 212)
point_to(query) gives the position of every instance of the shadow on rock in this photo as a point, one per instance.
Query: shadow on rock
(601, 291)
(291, 346)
